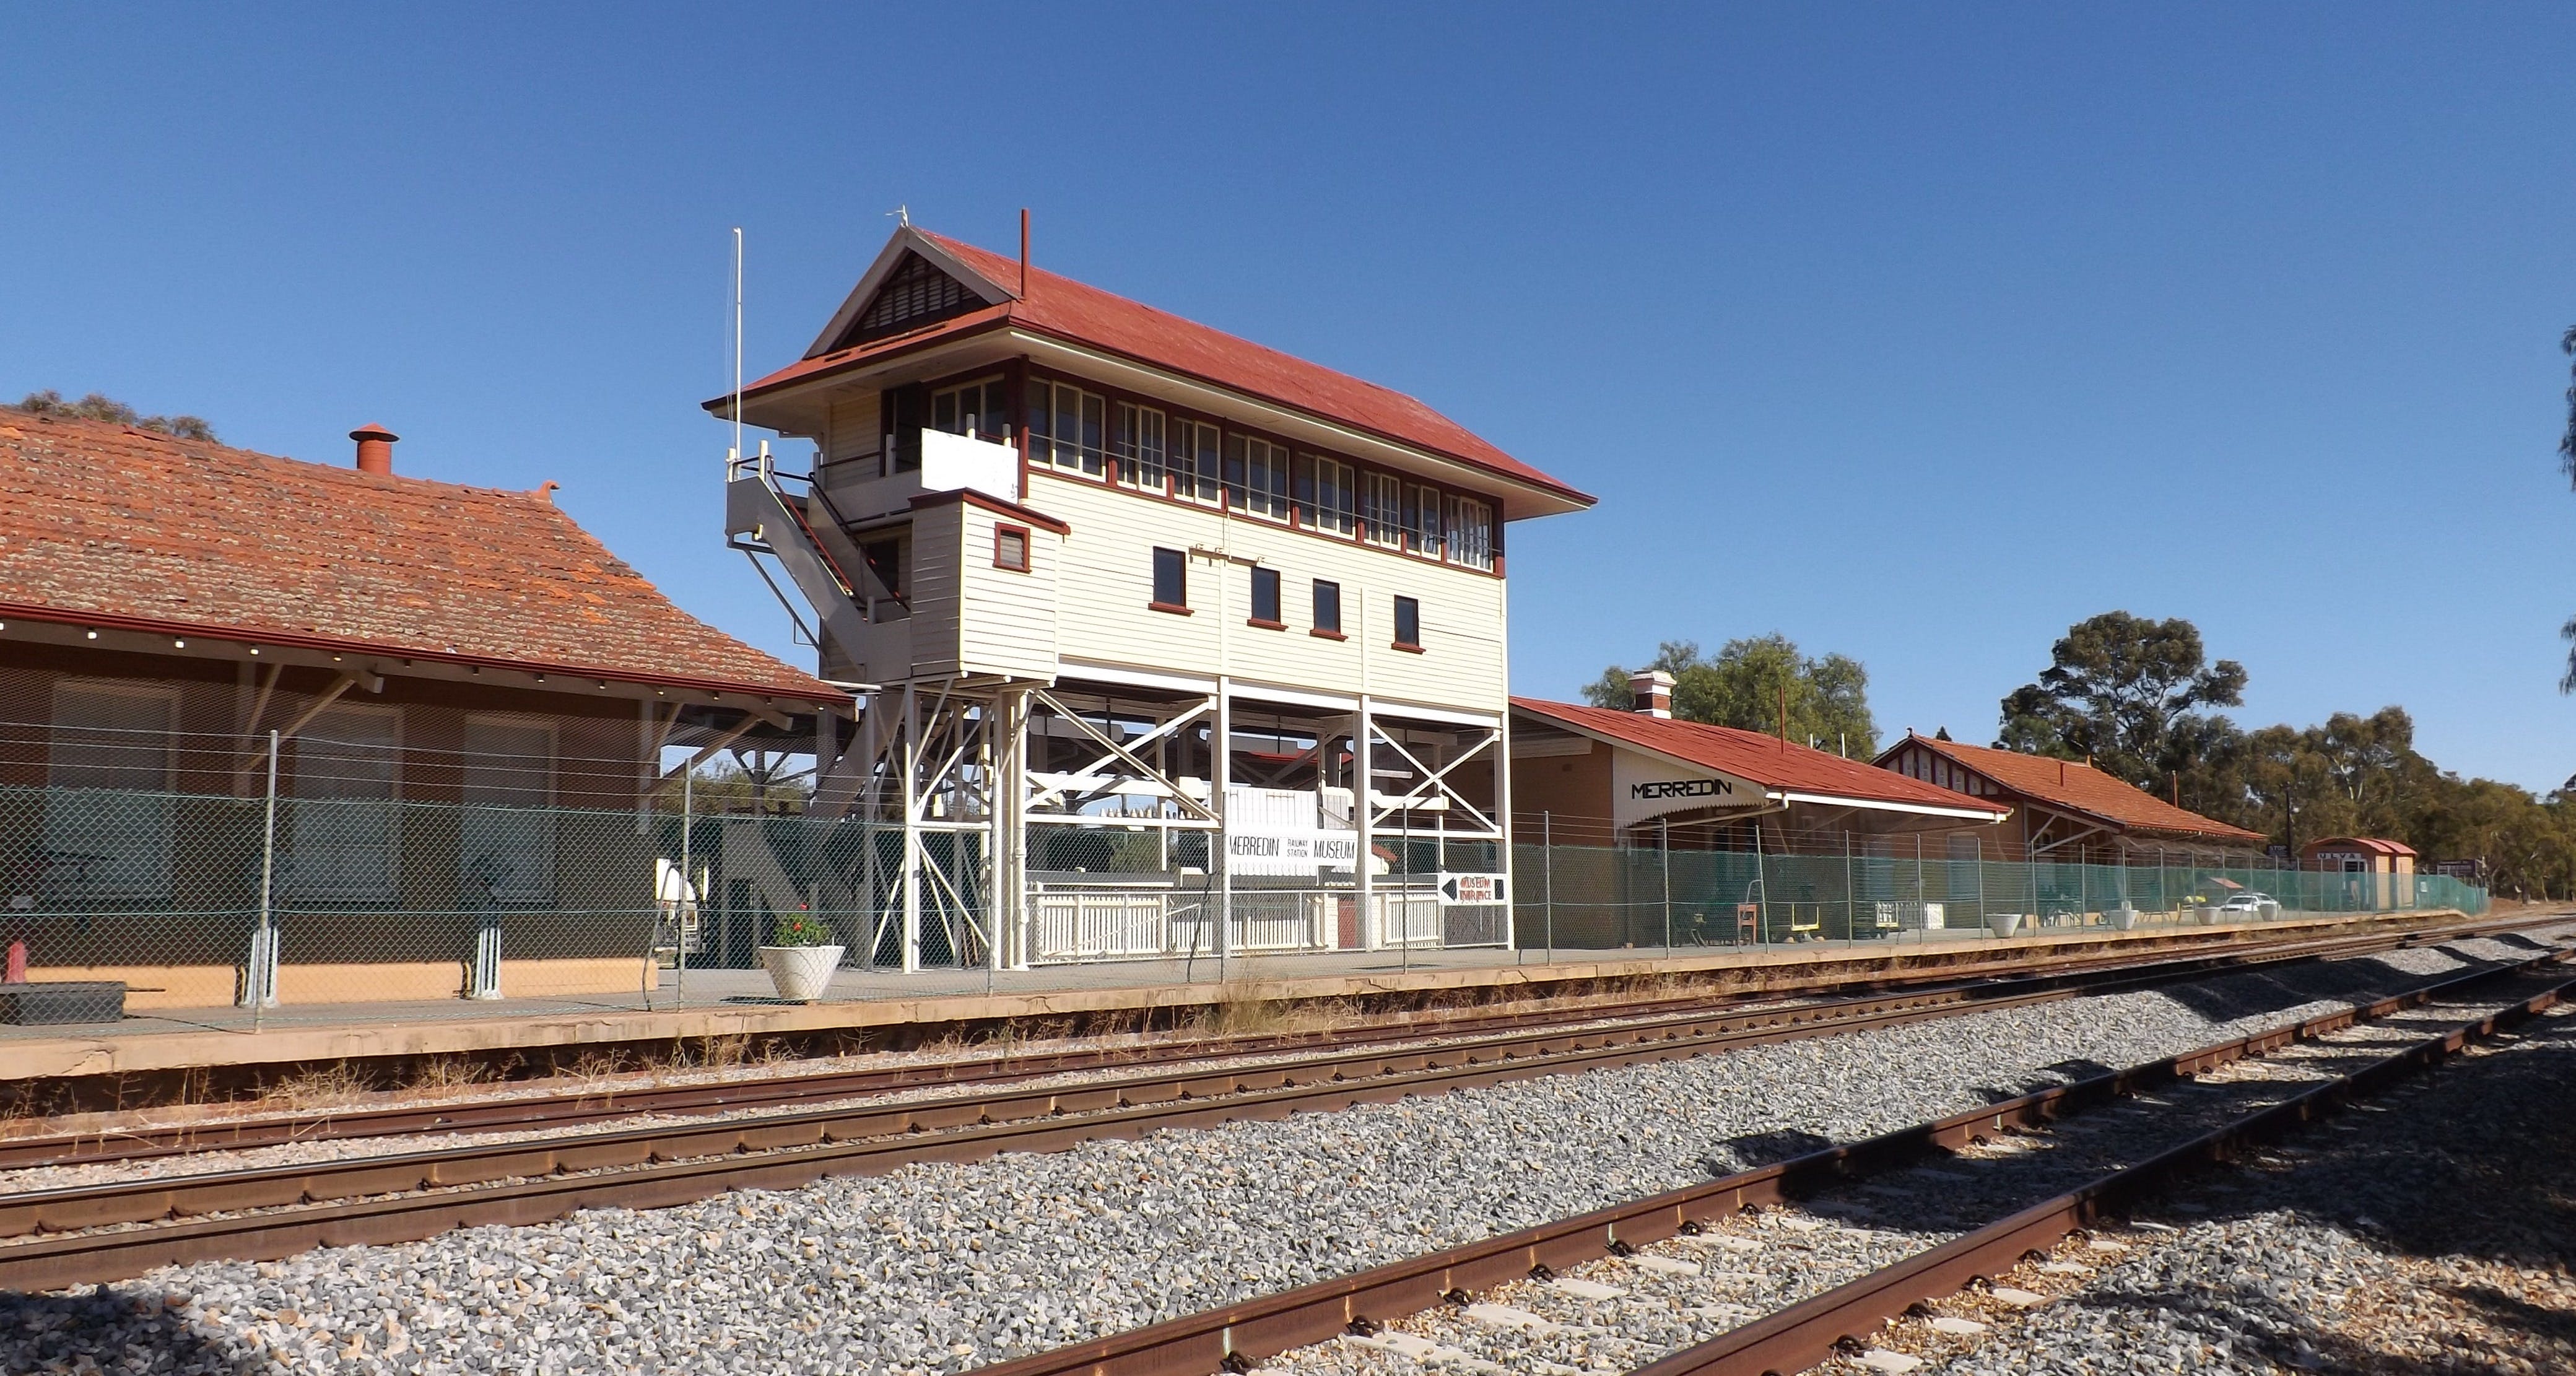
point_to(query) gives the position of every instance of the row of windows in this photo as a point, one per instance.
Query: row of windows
(1075, 431)
(1172, 593)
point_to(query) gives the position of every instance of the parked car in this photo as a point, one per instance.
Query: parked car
(2263, 906)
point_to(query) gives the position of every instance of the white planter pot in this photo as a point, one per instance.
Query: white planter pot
(2208, 916)
(800, 972)
(2003, 924)
(2121, 919)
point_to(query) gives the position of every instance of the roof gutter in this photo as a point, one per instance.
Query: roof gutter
(1926, 809)
(250, 635)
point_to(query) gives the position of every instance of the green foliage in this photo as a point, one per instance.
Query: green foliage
(801, 929)
(98, 407)
(2120, 690)
(1740, 686)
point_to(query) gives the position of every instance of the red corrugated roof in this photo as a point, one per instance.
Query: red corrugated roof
(2376, 845)
(2079, 787)
(134, 528)
(1761, 758)
(1083, 314)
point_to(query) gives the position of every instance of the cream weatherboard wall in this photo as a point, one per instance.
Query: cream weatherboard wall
(1106, 584)
(970, 617)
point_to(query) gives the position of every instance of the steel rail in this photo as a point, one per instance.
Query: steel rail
(565, 1110)
(53, 1262)
(1806, 1333)
(1234, 1337)
(1314, 1083)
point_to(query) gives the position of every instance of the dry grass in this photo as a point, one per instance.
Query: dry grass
(714, 1052)
(327, 1086)
(446, 1075)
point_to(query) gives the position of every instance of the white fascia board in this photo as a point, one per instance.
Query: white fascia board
(1446, 716)
(1288, 420)
(1245, 691)
(1876, 805)
(1083, 670)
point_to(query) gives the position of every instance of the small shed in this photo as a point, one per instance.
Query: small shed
(2377, 872)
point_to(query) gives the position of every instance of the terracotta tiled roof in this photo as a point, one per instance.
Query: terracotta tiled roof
(2078, 787)
(132, 528)
(1070, 310)
(1761, 758)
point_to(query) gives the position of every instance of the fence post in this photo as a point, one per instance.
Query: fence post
(1918, 883)
(1664, 851)
(1547, 879)
(1851, 894)
(263, 945)
(686, 908)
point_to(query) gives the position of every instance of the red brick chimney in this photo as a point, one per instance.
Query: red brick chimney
(375, 449)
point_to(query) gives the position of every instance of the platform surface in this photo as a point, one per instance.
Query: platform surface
(733, 1002)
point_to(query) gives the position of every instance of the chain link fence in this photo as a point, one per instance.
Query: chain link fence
(230, 879)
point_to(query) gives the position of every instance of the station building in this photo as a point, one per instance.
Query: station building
(2067, 810)
(1600, 776)
(469, 697)
(2377, 873)
(1169, 643)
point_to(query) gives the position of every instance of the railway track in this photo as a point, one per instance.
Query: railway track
(107, 1232)
(1235, 1337)
(589, 1107)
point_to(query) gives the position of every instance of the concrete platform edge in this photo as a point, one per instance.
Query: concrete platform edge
(52, 1058)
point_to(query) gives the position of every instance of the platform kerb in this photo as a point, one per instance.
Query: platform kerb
(1773, 969)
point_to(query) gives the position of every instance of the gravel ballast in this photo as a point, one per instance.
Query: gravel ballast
(2439, 1236)
(942, 1268)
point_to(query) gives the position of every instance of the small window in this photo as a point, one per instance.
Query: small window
(1011, 548)
(1408, 623)
(1328, 608)
(1265, 596)
(1171, 581)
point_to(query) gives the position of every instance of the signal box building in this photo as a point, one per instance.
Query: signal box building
(1170, 643)
(2068, 810)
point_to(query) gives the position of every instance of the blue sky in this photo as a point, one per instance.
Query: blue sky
(1916, 335)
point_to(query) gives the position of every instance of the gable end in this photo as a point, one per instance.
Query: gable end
(916, 293)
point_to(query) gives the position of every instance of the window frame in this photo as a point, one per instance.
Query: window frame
(1002, 529)
(1407, 609)
(1334, 630)
(992, 390)
(1133, 458)
(1387, 509)
(1267, 575)
(1090, 409)
(1179, 604)
(539, 892)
